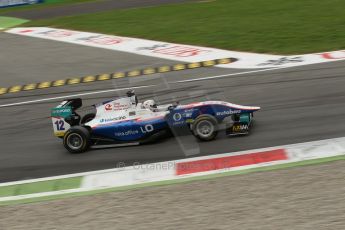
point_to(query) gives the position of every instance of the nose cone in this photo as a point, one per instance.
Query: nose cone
(256, 108)
(252, 108)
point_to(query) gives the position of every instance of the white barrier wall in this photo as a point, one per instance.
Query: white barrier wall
(10, 3)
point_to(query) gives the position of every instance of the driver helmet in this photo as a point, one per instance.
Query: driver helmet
(149, 104)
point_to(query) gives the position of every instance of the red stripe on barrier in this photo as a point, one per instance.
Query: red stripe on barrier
(230, 161)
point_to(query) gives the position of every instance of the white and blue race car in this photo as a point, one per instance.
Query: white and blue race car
(125, 121)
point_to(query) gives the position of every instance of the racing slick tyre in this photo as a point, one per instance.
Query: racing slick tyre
(77, 139)
(205, 128)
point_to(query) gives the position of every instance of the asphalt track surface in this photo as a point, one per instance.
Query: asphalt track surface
(88, 7)
(298, 104)
(27, 60)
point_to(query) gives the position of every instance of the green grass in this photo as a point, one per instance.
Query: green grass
(183, 180)
(47, 3)
(270, 26)
(6, 22)
(44, 186)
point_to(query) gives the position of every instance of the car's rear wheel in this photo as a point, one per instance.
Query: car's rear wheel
(77, 139)
(205, 128)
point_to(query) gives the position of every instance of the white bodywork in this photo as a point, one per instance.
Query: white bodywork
(125, 109)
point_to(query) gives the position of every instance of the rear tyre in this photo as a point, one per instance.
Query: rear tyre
(205, 128)
(77, 139)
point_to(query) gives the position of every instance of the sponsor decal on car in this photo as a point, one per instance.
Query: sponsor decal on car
(103, 120)
(190, 110)
(61, 112)
(119, 106)
(108, 107)
(177, 116)
(126, 133)
(147, 128)
(187, 115)
(240, 127)
(228, 112)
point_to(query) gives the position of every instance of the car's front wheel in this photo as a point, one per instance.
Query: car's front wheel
(77, 139)
(205, 128)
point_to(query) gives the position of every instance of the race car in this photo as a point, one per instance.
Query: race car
(124, 121)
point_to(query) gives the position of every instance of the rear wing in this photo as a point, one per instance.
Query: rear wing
(58, 116)
(61, 112)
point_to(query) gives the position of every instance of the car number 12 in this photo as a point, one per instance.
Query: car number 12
(60, 125)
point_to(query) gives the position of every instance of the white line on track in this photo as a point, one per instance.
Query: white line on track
(138, 87)
(71, 96)
(231, 74)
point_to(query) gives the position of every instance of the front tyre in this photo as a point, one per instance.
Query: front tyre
(77, 139)
(205, 128)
